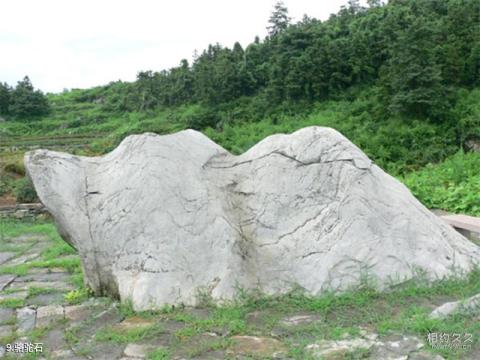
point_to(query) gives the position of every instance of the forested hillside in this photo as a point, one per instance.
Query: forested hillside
(401, 80)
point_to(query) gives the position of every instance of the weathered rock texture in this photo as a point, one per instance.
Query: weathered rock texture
(163, 218)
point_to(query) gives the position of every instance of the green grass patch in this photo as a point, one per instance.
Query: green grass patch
(69, 264)
(12, 303)
(77, 296)
(452, 185)
(126, 336)
(10, 228)
(159, 354)
(34, 291)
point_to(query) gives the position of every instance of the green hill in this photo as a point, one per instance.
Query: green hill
(401, 80)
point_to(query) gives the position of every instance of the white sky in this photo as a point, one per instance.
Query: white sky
(78, 44)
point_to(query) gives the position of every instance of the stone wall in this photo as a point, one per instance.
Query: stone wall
(22, 211)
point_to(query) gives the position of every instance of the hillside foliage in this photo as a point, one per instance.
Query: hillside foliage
(23, 101)
(401, 80)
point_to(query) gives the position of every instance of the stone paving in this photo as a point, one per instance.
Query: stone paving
(43, 317)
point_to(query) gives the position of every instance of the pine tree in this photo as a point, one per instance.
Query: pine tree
(279, 19)
(5, 93)
(27, 102)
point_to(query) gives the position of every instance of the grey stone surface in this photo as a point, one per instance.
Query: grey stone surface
(137, 351)
(5, 280)
(338, 348)
(449, 308)
(21, 294)
(77, 313)
(396, 348)
(56, 285)
(6, 314)
(53, 276)
(256, 347)
(55, 341)
(47, 299)
(292, 323)
(25, 320)
(161, 218)
(296, 320)
(6, 330)
(425, 355)
(49, 314)
(5, 256)
(22, 259)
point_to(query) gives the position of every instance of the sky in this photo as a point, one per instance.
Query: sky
(63, 44)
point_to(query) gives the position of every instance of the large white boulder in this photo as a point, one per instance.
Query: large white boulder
(162, 219)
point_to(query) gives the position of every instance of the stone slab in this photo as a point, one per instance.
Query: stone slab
(49, 314)
(5, 256)
(25, 320)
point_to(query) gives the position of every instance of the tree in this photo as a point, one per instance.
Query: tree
(374, 3)
(279, 19)
(27, 102)
(412, 76)
(354, 6)
(5, 93)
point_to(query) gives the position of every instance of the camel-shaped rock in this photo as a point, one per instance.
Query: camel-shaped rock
(162, 219)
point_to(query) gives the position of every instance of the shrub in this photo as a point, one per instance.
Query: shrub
(24, 191)
(453, 185)
(15, 168)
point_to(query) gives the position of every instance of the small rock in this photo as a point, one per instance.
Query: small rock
(137, 351)
(455, 306)
(48, 314)
(25, 320)
(256, 347)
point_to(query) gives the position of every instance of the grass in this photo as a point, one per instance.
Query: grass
(69, 264)
(77, 296)
(382, 312)
(34, 291)
(57, 254)
(12, 303)
(159, 354)
(129, 336)
(452, 185)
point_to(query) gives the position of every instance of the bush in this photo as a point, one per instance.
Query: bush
(453, 185)
(15, 168)
(24, 191)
